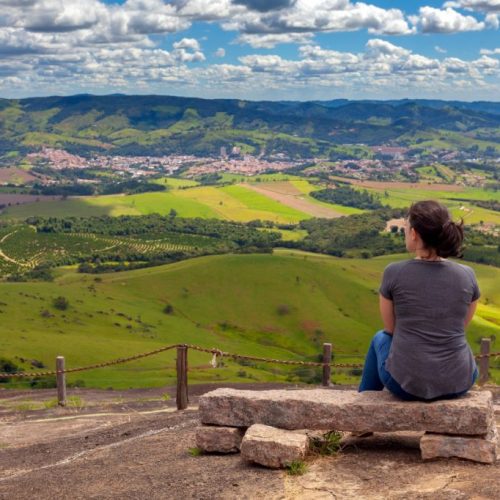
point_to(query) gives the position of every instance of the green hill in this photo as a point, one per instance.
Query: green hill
(283, 305)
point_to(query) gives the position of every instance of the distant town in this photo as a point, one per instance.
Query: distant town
(385, 162)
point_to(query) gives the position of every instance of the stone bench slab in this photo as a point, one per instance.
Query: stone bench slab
(376, 411)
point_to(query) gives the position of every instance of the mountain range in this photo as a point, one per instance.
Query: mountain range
(152, 124)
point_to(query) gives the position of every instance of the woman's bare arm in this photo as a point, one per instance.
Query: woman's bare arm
(470, 312)
(387, 313)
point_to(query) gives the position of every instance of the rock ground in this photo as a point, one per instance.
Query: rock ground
(137, 447)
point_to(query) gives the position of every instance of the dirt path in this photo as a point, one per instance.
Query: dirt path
(295, 200)
(130, 449)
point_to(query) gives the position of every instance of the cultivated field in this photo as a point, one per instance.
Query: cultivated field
(228, 202)
(15, 175)
(22, 248)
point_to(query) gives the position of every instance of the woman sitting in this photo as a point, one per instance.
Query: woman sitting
(426, 303)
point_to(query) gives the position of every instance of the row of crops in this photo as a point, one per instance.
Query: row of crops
(23, 248)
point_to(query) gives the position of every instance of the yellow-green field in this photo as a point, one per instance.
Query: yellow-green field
(235, 202)
(241, 203)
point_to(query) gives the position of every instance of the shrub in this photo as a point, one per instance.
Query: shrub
(7, 366)
(61, 303)
(283, 309)
(168, 309)
(43, 382)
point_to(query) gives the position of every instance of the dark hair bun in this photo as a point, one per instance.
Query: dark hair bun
(451, 239)
(432, 222)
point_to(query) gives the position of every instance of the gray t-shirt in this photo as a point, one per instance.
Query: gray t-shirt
(429, 355)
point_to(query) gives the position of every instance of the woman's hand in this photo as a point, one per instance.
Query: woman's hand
(470, 312)
(387, 313)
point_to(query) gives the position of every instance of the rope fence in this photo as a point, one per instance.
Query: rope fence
(182, 349)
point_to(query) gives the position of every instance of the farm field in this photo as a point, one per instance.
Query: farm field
(399, 195)
(295, 194)
(228, 202)
(22, 248)
(283, 305)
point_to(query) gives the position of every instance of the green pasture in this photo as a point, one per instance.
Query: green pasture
(283, 305)
(404, 197)
(175, 182)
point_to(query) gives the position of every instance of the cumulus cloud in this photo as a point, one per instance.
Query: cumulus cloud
(382, 65)
(490, 52)
(270, 40)
(188, 50)
(321, 16)
(492, 20)
(265, 5)
(479, 5)
(67, 46)
(61, 16)
(431, 20)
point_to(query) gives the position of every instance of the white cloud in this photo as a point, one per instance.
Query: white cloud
(320, 16)
(439, 49)
(431, 20)
(490, 52)
(492, 20)
(479, 5)
(68, 46)
(188, 50)
(268, 41)
(187, 43)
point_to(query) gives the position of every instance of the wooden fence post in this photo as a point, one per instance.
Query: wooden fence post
(327, 359)
(61, 381)
(182, 378)
(484, 363)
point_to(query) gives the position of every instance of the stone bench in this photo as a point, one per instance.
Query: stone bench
(463, 427)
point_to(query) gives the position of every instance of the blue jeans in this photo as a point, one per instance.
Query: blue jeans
(375, 376)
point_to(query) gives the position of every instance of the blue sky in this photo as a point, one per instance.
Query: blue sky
(252, 49)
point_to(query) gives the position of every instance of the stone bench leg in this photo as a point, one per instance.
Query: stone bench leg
(478, 449)
(212, 439)
(272, 447)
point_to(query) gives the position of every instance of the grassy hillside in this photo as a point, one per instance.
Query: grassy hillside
(283, 305)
